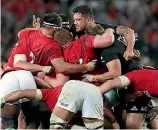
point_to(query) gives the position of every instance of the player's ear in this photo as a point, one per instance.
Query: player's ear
(90, 20)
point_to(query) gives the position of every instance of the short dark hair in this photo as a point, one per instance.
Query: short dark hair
(83, 9)
(52, 20)
(65, 21)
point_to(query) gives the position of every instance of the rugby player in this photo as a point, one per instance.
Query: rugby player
(138, 107)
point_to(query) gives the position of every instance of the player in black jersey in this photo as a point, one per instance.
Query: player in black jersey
(83, 16)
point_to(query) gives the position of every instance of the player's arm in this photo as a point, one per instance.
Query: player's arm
(20, 60)
(68, 68)
(114, 70)
(119, 82)
(129, 36)
(105, 40)
(2, 67)
(28, 93)
(53, 82)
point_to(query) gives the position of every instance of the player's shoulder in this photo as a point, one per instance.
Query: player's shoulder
(105, 25)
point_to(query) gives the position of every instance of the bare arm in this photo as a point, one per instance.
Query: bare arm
(105, 40)
(14, 96)
(119, 82)
(114, 70)
(28, 66)
(20, 60)
(2, 67)
(129, 36)
(67, 68)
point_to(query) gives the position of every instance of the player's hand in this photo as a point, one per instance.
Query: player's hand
(36, 22)
(87, 78)
(136, 53)
(91, 65)
(128, 55)
(47, 69)
(2, 102)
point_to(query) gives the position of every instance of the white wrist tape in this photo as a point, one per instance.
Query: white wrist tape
(38, 95)
(124, 81)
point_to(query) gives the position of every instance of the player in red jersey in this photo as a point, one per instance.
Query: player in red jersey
(13, 79)
(77, 97)
(81, 50)
(44, 49)
(139, 80)
(47, 51)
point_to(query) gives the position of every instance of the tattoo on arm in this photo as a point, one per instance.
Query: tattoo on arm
(122, 30)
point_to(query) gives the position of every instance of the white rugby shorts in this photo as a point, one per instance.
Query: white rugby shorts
(81, 96)
(16, 80)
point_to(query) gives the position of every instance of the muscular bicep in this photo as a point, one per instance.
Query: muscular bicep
(103, 41)
(114, 67)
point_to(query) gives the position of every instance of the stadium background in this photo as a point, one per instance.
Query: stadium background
(140, 15)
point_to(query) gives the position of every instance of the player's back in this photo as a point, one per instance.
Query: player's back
(40, 45)
(145, 80)
(79, 52)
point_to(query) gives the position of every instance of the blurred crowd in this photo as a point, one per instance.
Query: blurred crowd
(140, 15)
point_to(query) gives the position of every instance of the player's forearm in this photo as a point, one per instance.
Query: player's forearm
(106, 76)
(73, 68)
(106, 87)
(128, 34)
(28, 66)
(1, 68)
(14, 96)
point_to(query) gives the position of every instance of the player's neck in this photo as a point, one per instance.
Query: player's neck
(46, 33)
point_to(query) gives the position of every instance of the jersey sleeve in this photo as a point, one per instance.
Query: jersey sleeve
(53, 51)
(108, 55)
(88, 40)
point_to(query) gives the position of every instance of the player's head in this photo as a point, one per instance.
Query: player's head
(83, 15)
(52, 21)
(65, 21)
(63, 36)
(94, 29)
